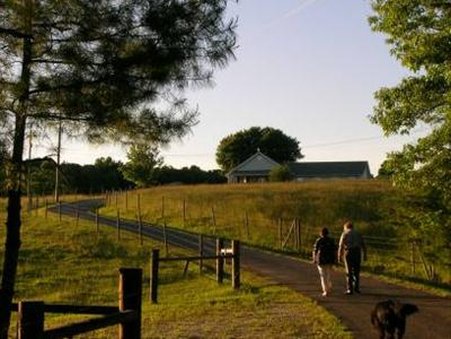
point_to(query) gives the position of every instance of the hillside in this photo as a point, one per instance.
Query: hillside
(264, 214)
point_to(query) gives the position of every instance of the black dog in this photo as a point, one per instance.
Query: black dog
(389, 317)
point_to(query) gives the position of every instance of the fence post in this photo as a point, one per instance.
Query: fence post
(37, 204)
(236, 264)
(299, 234)
(279, 225)
(219, 261)
(97, 221)
(130, 298)
(77, 215)
(154, 262)
(165, 240)
(118, 225)
(184, 212)
(138, 203)
(30, 320)
(46, 207)
(140, 225)
(59, 210)
(246, 225)
(201, 252)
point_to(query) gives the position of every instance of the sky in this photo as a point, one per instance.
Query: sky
(307, 67)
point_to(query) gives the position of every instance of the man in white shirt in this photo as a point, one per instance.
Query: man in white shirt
(350, 249)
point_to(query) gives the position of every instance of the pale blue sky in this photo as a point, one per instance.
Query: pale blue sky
(306, 67)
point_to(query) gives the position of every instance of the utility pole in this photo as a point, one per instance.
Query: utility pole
(58, 159)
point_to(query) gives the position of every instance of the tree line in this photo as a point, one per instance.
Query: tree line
(105, 174)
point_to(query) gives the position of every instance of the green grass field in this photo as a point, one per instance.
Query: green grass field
(68, 263)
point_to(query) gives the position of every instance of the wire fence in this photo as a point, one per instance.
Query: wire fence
(391, 255)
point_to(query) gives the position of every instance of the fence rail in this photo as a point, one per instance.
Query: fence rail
(221, 254)
(31, 314)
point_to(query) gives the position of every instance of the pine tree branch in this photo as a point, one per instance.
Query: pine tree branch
(14, 33)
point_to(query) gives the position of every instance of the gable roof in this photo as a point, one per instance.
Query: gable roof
(335, 169)
(255, 164)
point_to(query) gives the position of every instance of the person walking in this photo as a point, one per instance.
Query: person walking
(350, 249)
(324, 256)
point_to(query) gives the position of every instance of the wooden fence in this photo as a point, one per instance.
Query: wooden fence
(221, 255)
(31, 314)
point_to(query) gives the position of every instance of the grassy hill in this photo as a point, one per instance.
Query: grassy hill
(262, 215)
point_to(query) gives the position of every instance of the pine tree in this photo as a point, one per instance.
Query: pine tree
(101, 65)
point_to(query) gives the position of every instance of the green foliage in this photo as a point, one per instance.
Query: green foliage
(237, 147)
(143, 159)
(280, 173)
(386, 170)
(118, 56)
(419, 35)
(187, 175)
(102, 176)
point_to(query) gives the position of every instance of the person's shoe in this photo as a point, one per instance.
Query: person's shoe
(348, 292)
(325, 294)
(357, 290)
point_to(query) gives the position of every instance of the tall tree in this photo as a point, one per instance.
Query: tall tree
(3, 164)
(419, 34)
(142, 162)
(101, 63)
(237, 147)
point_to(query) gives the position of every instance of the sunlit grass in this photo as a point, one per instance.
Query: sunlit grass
(262, 215)
(62, 262)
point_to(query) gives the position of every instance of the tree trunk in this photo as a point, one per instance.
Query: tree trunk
(13, 221)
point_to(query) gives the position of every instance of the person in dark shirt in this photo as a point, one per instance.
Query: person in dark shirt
(324, 256)
(350, 248)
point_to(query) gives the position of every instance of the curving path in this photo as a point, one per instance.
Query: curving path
(433, 320)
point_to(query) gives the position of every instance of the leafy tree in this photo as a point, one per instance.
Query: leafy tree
(108, 175)
(237, 147)
(419, 34)
(188, 175)
(142, 162)
(101, 64)
(280, 173)
(386, 170)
